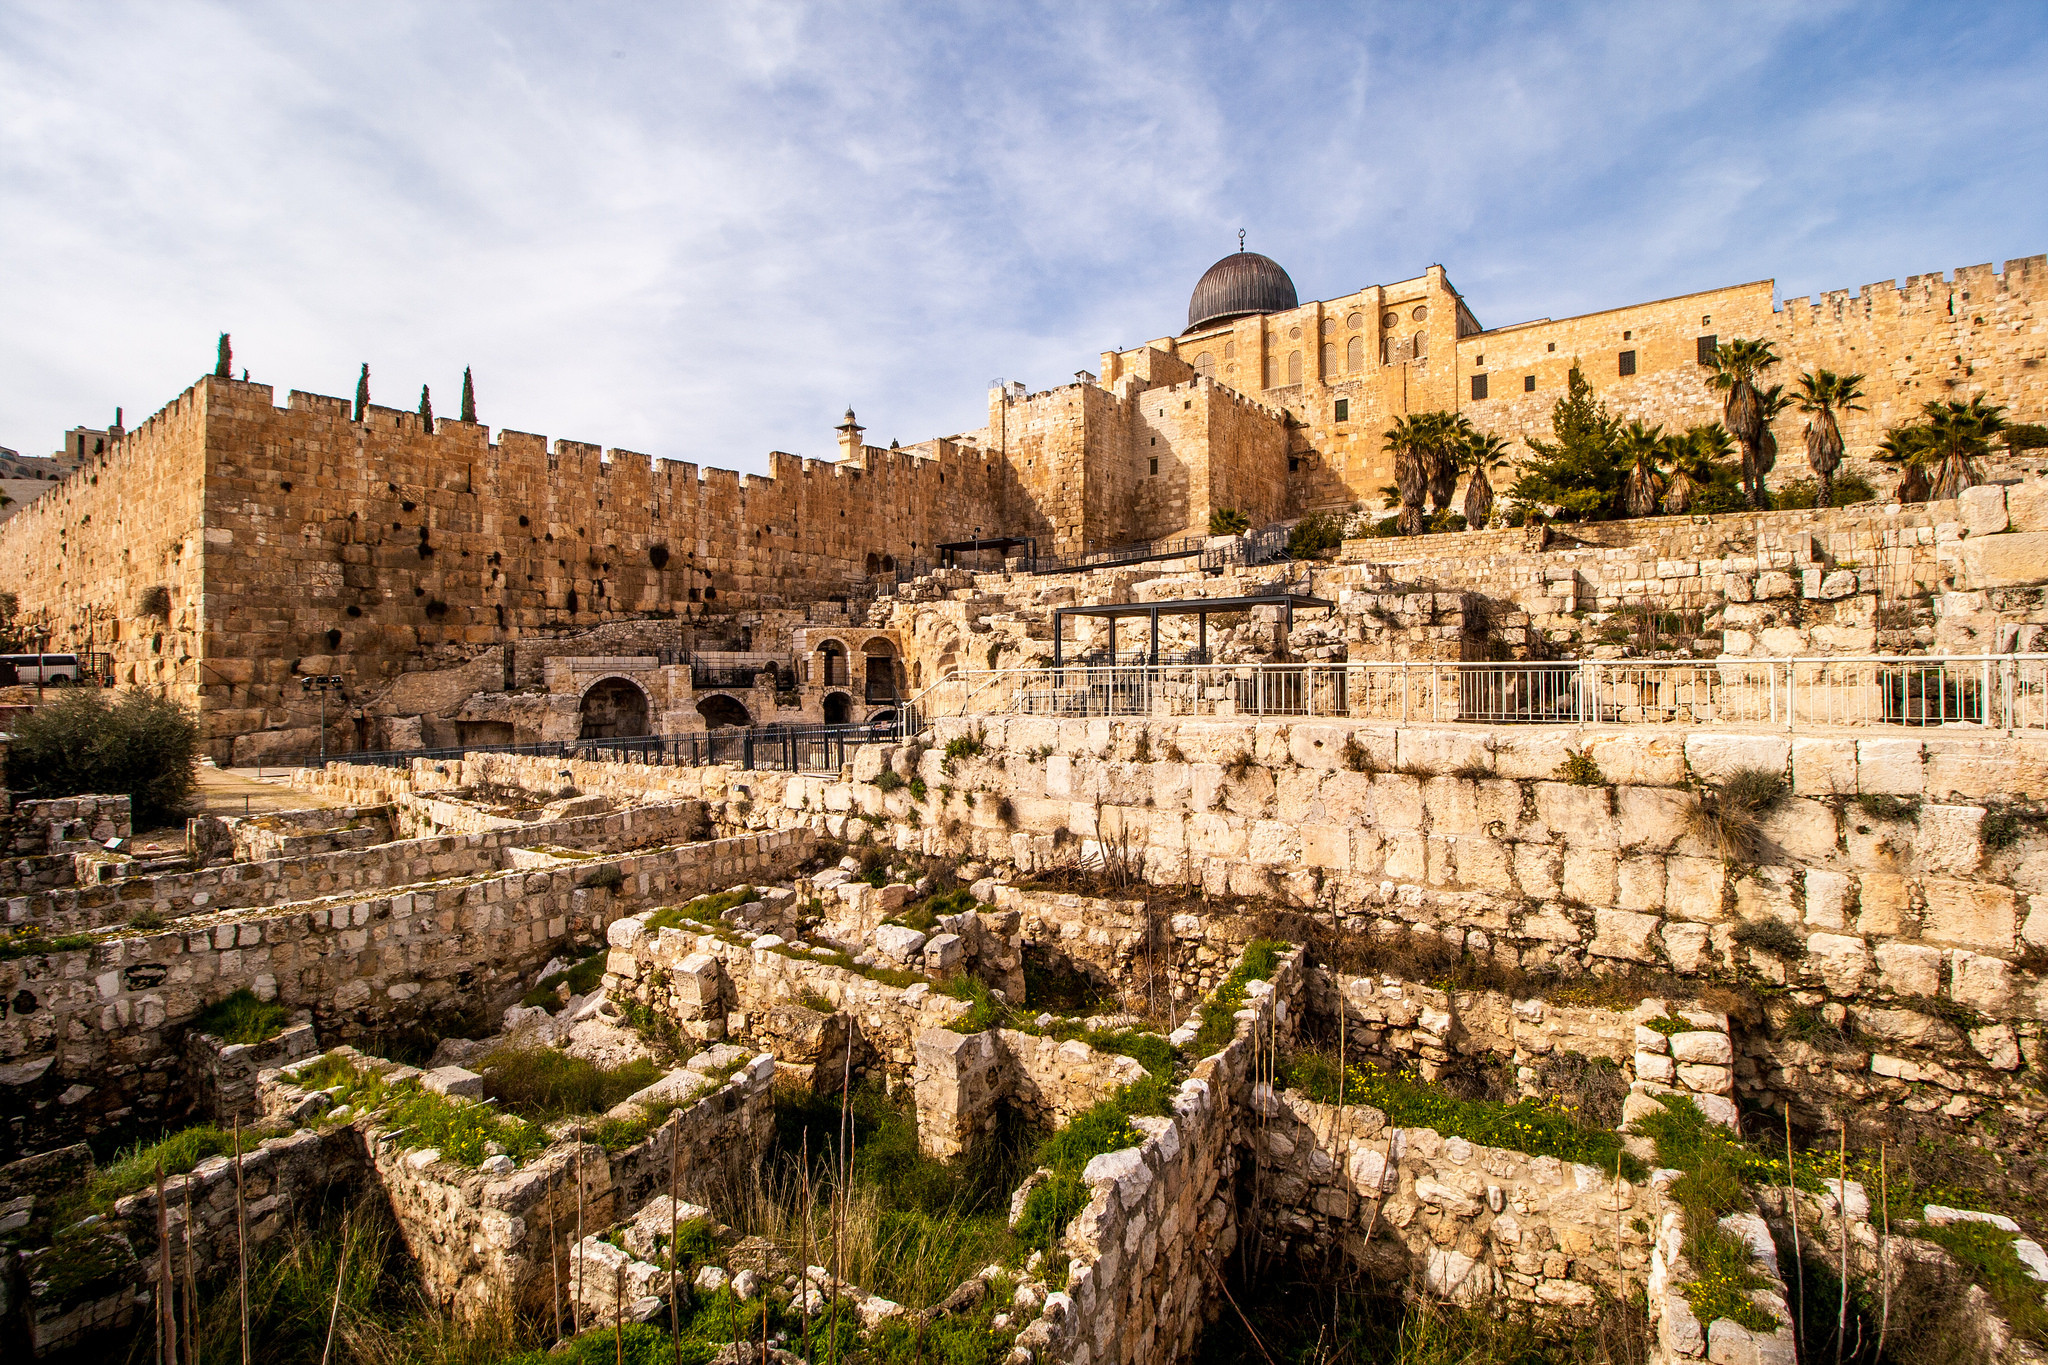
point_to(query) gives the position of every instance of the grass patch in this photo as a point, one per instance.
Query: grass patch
(1987, 1256)
(1539, 1127)
(418, 1118)
(543, 1083)
(134, 1168)
(1581, 771)
(1881, 807)
(889, 780)
(1669, 1024)
(1219, 1011)
(582, 978)
(703, 910)
(30, 940)
(242, 1018)
(1728, 817)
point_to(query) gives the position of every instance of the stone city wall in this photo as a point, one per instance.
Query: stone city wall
(42, 840)
(964, 1081)
(313, 876)
(1896, 899)
(298, 833)
(99, 1024)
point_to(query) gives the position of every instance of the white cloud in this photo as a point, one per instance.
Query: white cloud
(700, 233)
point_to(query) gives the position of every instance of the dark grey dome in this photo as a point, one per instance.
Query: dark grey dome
(1239, 285)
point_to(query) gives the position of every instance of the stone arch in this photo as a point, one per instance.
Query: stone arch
(838, 708)
(612, 708)
(1294, 367)
(1329, 358)
(832, 663)
(874, 565)
(888, 563)
(878, 657)
(1205, 365)
(1354, 353)
(720, 711)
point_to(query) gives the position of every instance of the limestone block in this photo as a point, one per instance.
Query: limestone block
(2016, 559)
(1639, 883)
(944, 952)
(1982, 509)
(897, 941)
(1841, 961)
(1707, 1079)
(1650, 818)
(1440, 751)
(1536, 870)
(1997, 1045)
(1694, 888)
(1273, 841)
(2026, 505)
(1531, 754)
(454, 1082)
(1804, 830)
(1639, 759)
(2034, 927)
(1623, 934)
(1589, 876)
(697, 981)
(624, 933)
(1966, 771)
(1908, 968)
(1888, 767)
(1651, 1066)
(1783, 640)
(1823, 767)
(1982, 983)
(1841, 583)
(1969, 914)
(1713, 757)
(1687, 945)
(1704, 1047)
(1947, 838)
(1326, 846)
(1550, 926)
(1884, 902)
(1772, 583)
(1767, 892)
(1827, 899)
(1585, 813)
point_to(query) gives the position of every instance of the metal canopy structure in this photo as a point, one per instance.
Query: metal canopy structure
(951, 549)
(1199, 607)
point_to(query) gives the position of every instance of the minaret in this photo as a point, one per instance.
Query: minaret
(850, 445)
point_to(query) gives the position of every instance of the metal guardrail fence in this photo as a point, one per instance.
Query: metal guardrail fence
(777, 748)
(1994, 692)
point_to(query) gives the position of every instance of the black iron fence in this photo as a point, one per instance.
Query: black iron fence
(775, 748)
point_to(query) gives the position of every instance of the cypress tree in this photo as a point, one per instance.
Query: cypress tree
(468, 397)
(426, 410)
(363, 391)
(223, 360)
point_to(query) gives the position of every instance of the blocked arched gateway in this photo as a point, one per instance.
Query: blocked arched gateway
(613, 708)
(838, 708)
(720, 711)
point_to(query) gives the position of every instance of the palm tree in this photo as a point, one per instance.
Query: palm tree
(1906, 447)
(1448, 434)
(1770, 405)
(1960, 433)
(1480, 452)
(1692, 457)
(1736, 366)
(1822, 394)
(1639, 491)
(1408, 438)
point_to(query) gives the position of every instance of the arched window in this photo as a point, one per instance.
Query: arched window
(1329, 357)
(1230, 350)
(1354, 353)
(874, 564)
(1421, 345)
(1329, 327)
(1272, 372)
(1205, 365)
(1294, 367)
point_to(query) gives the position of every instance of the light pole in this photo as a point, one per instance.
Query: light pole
(325, 683)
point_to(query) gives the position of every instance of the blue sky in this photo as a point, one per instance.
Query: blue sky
(701, 231)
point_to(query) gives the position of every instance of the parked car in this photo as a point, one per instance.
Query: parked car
(54, 670)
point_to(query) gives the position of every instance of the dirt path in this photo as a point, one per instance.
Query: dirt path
(232, 791)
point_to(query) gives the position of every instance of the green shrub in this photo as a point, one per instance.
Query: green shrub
(889, 780)
(141, 745)
(30, 941)
(703, 910)
(1668, 1024)
(1987, 1256)
(2001, 828)
(1728, 817)
(1881, 807)
(965, 746)
(134, 1168)
(1770, 936)
(1228, 521)
(1581, 771)
(1315, 534)
(581, 978)
(1219, 1012)
(242, 1018)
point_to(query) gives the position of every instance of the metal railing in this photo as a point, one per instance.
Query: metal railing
(1992, 692)
(781, 748)
(1140, 552)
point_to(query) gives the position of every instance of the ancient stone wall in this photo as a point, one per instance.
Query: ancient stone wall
(89, 1035)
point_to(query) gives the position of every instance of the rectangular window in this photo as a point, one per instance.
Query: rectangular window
(1528, 383)
(1707, 345)
(1478, 387)
(1628, 362)
(1343, 409)
(1155, 464)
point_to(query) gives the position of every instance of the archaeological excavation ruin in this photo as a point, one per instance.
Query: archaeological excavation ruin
(1037, 917)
